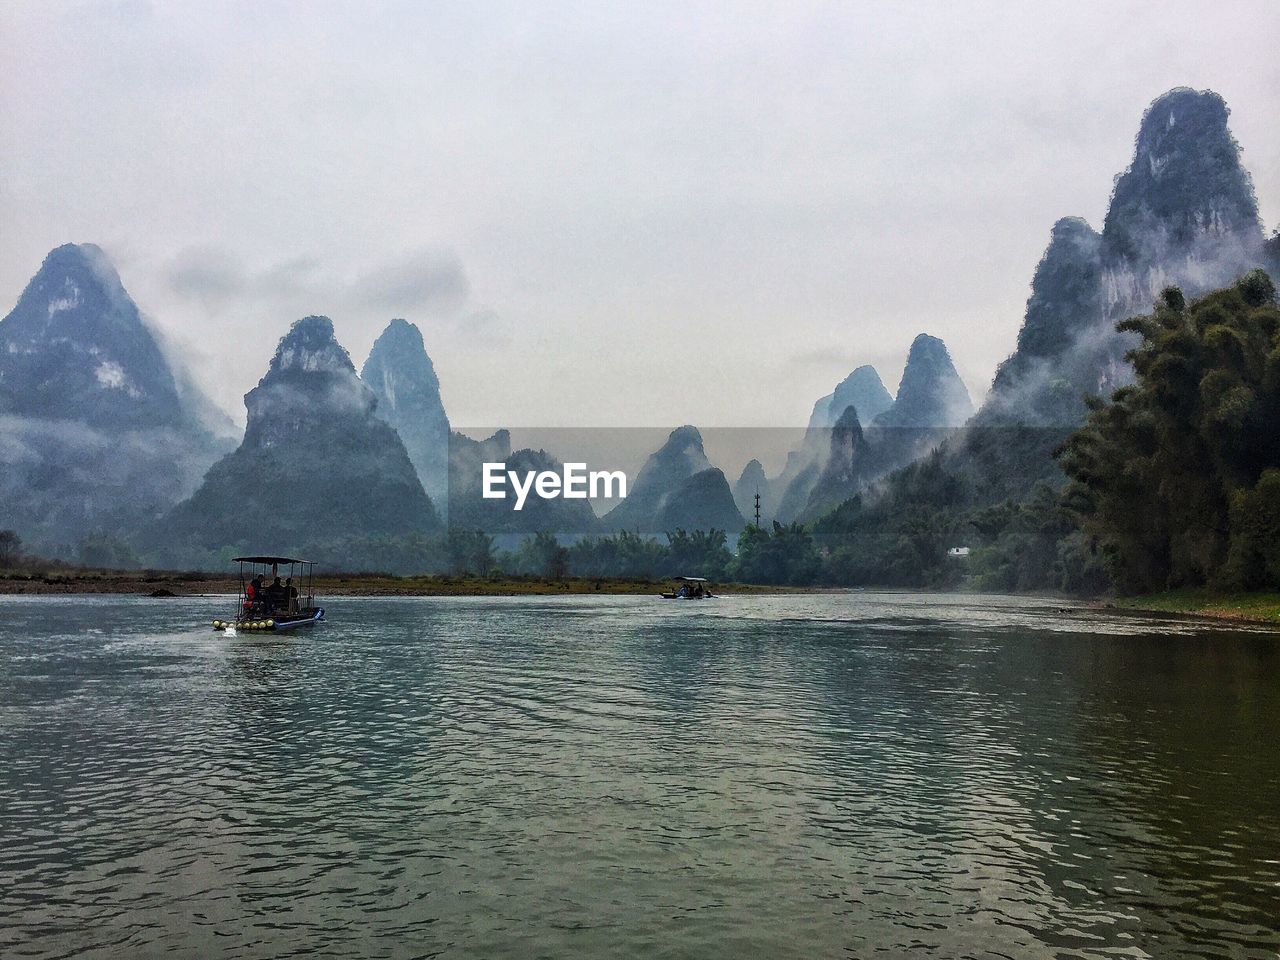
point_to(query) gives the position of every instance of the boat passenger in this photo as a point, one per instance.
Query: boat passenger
(253, 593)
(275, 594)
(291, 595)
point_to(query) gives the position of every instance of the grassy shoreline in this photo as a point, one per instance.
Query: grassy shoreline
(1245, 607)
(1251, 607)
(168, 583)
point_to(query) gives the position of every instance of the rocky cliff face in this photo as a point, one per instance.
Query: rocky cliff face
(1065, 306)
(1184, 212)
(316, 464)
(403, 379)
(97, 434)
(671, 485)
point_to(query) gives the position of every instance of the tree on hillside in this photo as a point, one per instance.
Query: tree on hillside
(541, 556)
(786, 554)
(470, 552)
(10, 548)
(1170, 476)
(703, 553)
(625, 554)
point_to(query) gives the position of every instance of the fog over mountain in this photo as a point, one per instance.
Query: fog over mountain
(403, 379)
(1039, 382)
(846, 468)
(862, 389)
(564, 194)
(931, 393)
(316, 463)
(96, 435)
(1183, 213)
(931, 402)
(677, 487)
(885, 255)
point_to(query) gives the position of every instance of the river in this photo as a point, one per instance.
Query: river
(854, 774)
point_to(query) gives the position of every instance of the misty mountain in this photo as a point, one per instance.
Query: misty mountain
(931, 393)
(787, 494)
(700, 502)
(467, 458)
(97, 433)
(677, 482)
(862, 389)
(316, 464)
(847, 465)
(403, 379)
(75, 348)
(932, 400)
(1047, 376)
(794, 485)
(751, 481)
(1182, 213)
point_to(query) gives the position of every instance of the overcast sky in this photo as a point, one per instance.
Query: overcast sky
(622, 214)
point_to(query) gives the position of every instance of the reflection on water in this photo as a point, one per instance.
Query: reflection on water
(806, 776)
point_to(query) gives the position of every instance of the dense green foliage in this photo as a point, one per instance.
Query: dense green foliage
(1175, 478)
(698, 554)
(1175, 481)
(903, 537)
(786, 555)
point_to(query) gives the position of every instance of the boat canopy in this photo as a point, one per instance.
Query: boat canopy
(269, 560)
(692, 580)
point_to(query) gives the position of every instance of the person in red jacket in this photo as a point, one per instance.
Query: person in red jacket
(253, 593)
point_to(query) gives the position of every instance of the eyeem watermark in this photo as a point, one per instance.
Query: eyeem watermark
(574, 482)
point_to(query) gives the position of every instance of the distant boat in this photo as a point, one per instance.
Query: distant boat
(690, 588)
(267, 604)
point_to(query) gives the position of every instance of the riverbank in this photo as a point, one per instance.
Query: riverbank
(1250, 607)
(1253, 607)
(155, 583)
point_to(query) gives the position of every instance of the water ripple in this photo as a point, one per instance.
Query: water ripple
(839, 775)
